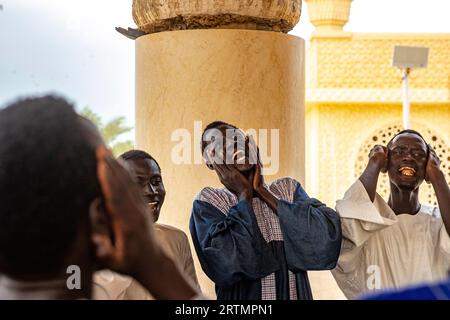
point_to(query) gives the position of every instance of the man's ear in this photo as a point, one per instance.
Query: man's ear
(101, 232)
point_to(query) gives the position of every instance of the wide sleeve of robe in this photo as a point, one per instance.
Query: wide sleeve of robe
(311, 232)
(361, 219)
(230, 246)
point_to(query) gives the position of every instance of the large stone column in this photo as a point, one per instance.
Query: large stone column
(250, 78)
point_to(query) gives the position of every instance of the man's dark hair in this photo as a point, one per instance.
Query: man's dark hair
(214, 125)
(138, 154)
(410, 131)
(47, 181)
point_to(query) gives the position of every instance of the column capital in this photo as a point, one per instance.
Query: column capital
(272, 15)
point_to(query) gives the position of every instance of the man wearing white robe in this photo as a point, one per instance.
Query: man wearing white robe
(400, 242)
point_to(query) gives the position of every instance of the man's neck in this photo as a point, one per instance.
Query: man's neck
(404, 201)
(11, 289)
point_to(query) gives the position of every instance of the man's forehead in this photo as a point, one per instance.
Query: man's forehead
(409, 139)
(143, 166)
(223, 132)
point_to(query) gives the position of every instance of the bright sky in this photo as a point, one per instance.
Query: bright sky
(71, 47)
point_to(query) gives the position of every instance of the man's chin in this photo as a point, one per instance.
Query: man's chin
(155, 217)
(405, 186)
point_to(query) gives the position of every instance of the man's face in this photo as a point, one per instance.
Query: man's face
(233, 147)
(408, 155)
(148, 175)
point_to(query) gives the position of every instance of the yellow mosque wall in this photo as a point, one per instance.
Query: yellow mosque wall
(364, 61)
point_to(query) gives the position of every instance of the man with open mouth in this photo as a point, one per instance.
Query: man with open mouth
(147, 173)
(256, 241)
(401, 242)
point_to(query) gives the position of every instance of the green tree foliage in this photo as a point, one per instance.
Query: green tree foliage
(111, 131)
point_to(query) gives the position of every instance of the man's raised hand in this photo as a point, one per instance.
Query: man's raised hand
(379, 156)
(433, 165)
(234, 180)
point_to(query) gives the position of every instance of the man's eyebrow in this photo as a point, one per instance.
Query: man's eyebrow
(405, 147)
(156, 175)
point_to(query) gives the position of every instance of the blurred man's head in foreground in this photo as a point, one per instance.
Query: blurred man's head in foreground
(48, 182)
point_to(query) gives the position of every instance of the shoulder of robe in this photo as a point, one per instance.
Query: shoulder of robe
(208, 193)
(171, 231)
(285, 188)
(221, 199)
